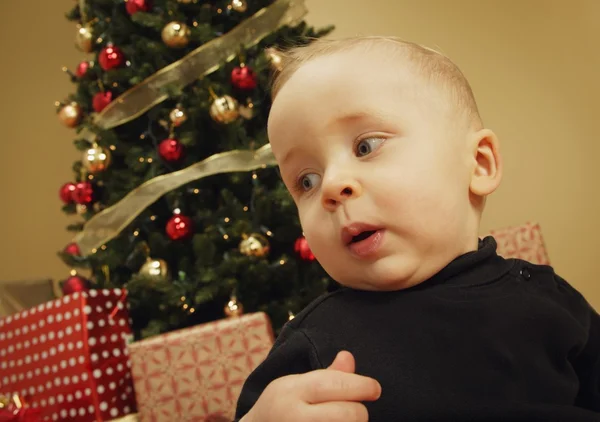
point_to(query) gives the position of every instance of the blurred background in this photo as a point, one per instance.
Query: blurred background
(533, 64)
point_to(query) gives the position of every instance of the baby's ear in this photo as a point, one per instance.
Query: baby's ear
(487, 168)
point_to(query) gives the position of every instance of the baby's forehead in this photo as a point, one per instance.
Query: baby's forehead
(350, 79)
(355, 69)
(416, 68)
(375, 58)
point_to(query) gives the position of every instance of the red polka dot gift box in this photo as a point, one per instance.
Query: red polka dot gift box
(68, 358)
(196, 374)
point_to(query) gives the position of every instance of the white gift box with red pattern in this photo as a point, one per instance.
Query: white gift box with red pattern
(523, 242)
(68, 357)
(196, 374)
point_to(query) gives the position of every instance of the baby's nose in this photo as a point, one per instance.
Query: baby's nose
(335, 194)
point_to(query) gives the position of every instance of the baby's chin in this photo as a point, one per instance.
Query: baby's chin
(380, 277)
(379, 285)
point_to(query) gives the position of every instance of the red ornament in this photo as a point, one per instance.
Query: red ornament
(243, 78)
(179, 227)
(75, 284)
(72, 249)
(82, 69)
(134, 6)
(83, 193)
(111, 57)
(301, 247)
(101, 100)
(66, 192)
(170, 150)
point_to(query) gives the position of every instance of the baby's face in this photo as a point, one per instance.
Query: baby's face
(377, 169)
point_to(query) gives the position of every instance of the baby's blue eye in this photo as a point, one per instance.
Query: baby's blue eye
(308, 181)
(367, 146)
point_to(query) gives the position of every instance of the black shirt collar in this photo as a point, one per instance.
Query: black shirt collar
(473, 268)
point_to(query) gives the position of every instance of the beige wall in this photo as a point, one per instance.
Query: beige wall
(534, 65)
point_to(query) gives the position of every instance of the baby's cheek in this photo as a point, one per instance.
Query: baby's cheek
(318, 243)
(312, 227)
(394, 195)
(305, 219)
(321, 241)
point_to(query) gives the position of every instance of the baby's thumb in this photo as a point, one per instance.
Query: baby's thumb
(344, 362)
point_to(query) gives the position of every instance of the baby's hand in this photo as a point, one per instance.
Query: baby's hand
(330, 395)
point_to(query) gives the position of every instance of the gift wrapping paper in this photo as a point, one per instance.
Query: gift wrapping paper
(69, 357)
(196, 374)
(523, 242)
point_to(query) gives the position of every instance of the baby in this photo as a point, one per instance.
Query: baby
(382, 147)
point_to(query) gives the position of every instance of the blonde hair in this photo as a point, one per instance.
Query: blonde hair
(429, 63)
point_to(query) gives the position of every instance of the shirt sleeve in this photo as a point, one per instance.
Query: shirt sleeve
(292, 353)
(588, 367)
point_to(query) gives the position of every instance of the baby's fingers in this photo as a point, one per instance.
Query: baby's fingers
(337, 411)
(331, 386)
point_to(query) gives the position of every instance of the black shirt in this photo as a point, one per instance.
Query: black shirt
(486, 339)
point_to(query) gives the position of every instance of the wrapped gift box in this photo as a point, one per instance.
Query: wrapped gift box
(68, 357)
(196, 374)
(523, 242)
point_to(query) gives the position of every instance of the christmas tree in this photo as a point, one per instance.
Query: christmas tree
(177, 194)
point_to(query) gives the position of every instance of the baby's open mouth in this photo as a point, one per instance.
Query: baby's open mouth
(362, 236)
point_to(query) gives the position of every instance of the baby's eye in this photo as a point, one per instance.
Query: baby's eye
(308, 181)
(367, 146)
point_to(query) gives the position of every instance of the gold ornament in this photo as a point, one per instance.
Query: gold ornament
(177, 116)
(176, 34)
(275, 58)
(70, 114)
(239, 5)
(224, 109)
(96, 159)
(234, 308)
(84, 37)
(154, 268)
(255, 245)
(81, 209)
(185, 1)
